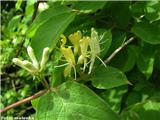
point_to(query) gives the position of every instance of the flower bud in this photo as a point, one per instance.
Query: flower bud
(32, 57)
(45, 57)
(80, 59)
(18, 62)
(29, 66)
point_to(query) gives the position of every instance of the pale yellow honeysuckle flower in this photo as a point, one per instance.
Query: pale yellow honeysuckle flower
(32, 57)
(95, 49)
(74, 39)
(45, 57)
(84, 43)
(33, 67)
(69, 56)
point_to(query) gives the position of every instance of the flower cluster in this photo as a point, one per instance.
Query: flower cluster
(33, 67)
(84, 51)
(87, 48)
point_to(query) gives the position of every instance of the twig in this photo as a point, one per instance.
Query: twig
(118, 50)
(24, 100)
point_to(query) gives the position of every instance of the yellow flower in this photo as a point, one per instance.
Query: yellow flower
(74, 39)
(69, 56)
(95, 49)
(84, 42)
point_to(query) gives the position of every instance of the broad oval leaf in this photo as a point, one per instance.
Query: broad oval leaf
(48, 26)
(106, 78)
(89, 6)
(73, 101)
(149, 33)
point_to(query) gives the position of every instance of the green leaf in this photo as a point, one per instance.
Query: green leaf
(106, 78)
(149, 33)
(80, 23)
(121, 13)
(35, 103)
(114, 97)
(145, 61)
(137, 8)
(89, 6)
(157, 58)
(48, 27)
(152, 10)
(133, 97)
(126, 59)
(18, 4)
(13, 23)
(118, 39)
(29, 10)
(131, 59)
(148, 110)
(72, 101)
(105, 43)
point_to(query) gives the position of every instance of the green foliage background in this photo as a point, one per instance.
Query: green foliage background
(128, 89)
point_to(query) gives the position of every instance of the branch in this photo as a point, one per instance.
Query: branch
(118, 50)
(24, 100)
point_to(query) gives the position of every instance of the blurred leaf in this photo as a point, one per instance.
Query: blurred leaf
(105, 43)
(126, 59)
(133, 97)
(106, 78)
(148, 110)
(89, 6)
(73, 101)
(121, 13)
(137, 8)
(130, 61)
(157, 58)
(18, 4)
(80, 23)
(118, 39)
(29, 10)
(145, 61)
(35, 103)
(152, 10)
(13, 23)
(114, 97)
(149, 33)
